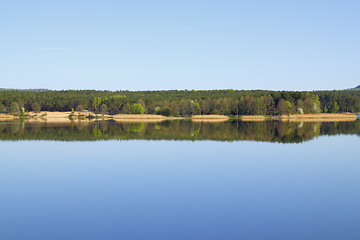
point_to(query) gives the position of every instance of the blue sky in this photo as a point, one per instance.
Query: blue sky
(150, 45)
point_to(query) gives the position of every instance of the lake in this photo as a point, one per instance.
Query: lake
(180, 180)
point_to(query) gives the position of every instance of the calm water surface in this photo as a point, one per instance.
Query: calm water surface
(236, 181)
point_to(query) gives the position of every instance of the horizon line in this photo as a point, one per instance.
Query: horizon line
(157, 90)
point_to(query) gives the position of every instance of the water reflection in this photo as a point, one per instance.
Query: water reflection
(270, 131)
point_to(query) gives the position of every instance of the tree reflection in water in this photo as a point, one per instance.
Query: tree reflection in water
(268, 131)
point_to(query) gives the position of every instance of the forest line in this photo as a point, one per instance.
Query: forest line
(182, 102)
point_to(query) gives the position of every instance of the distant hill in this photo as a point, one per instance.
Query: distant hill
(355, 88)
(27, 90)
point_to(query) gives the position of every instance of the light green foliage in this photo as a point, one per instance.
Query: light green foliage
(195, 107)
(137, 127)
(137, 108)
(287, 107)
(157, 109)
(22, 112)
(142, 103)
(97, 102)
(118, 96)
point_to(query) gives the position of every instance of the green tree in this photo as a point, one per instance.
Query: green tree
(157, 109)
(281, 108)
(234, 106)
(308, 104)
(288, 107)
(335, 108)
(36, 107)
(184, 108)
(2, 108)
(174, 107)
(22, 112)
(317, 104)
(357, 106)
(195, 107)
(137, 108)
(103, 109)
(166, 111)
(142, 103)
(14, 107)
(270, 105)
(125, 108)
(96, 103)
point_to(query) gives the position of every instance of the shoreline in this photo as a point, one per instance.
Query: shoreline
(65, 117)
(319, 117)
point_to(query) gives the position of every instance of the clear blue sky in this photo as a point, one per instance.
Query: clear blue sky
(149, 45)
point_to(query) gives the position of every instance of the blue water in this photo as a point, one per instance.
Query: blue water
(180, 190)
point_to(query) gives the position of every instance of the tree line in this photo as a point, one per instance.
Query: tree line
(182, 102)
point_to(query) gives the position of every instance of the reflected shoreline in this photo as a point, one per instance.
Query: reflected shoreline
(266, 131)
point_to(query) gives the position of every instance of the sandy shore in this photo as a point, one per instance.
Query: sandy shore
(6, 117)
(48, 117)
(209, 118)
(138, 118)
(63, 117)
(254, 118)
(319, 117)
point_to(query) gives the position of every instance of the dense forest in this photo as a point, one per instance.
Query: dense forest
(182, 102)
(269, 131)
